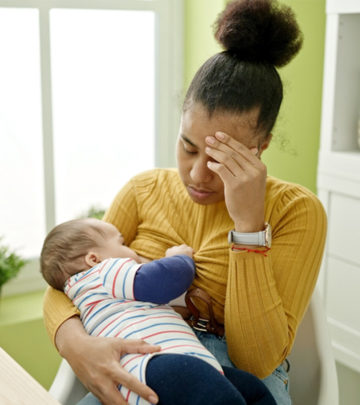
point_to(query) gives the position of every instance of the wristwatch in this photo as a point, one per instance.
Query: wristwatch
(262, 238)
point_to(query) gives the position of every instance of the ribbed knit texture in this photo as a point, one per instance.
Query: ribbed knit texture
(260, 299)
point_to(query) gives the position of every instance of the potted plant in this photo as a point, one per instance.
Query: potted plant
(10, 264)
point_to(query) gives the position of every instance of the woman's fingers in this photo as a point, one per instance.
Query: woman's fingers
(108, 394)
(135, 346)
(232, 148)
(128, 380)
(106, 390)
(238, 158)
(231, 160)
(133, 384)
(244, 178)
(223, 172)
(222, 139)
(101, 372)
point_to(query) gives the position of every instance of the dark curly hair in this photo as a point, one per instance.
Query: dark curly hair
(258, 36)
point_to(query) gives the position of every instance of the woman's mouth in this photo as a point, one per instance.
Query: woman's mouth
(199, 194)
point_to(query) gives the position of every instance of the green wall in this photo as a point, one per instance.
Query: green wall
(199, 42)
(294, 149)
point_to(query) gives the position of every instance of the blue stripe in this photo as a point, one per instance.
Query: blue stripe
(118, 323)
(85, 273)
(89, 296)
(108, 270)
(78, 291)
(152, 326)
(141, 365)
(95, 313)
(172, 340)
(132, 369)
(124, 280)
(82, 275)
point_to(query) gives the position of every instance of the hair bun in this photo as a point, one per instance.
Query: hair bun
(259, 31)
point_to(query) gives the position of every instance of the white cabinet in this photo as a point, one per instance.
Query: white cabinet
(339, 178)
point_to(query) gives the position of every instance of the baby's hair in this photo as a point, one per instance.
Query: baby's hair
(257, 36)
(65, 246)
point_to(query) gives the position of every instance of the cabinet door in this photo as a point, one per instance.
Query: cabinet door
(344, 228)
(343, 277)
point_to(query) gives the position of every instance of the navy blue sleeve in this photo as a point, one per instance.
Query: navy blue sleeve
(160, 281)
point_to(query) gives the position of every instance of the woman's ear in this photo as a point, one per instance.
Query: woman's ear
(265, 144)
(92, 258)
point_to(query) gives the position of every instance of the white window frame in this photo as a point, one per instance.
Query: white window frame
(168, 94)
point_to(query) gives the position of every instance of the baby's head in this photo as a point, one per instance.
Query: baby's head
(78, 245)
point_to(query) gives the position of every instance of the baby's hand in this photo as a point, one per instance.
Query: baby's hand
(180, 250)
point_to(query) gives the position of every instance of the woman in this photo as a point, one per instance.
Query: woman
(259, 290)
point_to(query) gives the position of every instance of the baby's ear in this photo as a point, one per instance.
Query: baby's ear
(91, 259)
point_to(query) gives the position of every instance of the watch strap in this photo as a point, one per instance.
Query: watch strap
(250, 238)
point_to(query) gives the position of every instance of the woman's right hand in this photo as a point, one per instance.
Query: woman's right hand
(96, 362)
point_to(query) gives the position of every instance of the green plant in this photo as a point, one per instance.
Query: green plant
(94, 212)
(10, 264)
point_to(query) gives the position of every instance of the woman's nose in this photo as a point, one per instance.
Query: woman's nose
(200, 173)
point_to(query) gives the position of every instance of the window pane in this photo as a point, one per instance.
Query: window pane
(103, 103)
(22, 222)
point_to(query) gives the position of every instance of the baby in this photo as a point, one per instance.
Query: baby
(119, 296)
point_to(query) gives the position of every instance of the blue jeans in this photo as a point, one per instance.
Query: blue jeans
(277, 382)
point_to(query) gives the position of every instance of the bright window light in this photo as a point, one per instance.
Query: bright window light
(103, 68)
(22, 219)
(83, 85)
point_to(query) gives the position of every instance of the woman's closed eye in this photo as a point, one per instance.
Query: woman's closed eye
(189, 149)
(188, 146)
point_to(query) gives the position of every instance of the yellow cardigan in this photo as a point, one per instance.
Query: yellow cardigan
(260, 299)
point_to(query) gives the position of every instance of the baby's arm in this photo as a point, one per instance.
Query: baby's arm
(162, 280)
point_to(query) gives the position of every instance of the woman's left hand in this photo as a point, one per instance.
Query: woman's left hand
(244, 178)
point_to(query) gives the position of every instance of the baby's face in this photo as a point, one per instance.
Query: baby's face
(113, 244)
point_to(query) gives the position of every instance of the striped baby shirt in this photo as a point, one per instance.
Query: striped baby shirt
(106, 300)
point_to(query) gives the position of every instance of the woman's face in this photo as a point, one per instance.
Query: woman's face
(203, 185)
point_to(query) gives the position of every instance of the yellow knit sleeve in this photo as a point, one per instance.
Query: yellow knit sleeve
(57, 308)
(267, 296)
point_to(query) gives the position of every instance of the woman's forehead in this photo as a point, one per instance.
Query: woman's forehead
(197, 123)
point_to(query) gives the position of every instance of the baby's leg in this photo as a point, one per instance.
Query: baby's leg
(252, 388)
(181, 379)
